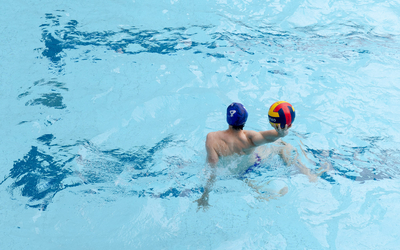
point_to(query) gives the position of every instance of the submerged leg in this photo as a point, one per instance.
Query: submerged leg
(266, 193)
(266, 190)
(290, 155)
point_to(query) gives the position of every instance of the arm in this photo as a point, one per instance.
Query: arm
(259, 138)
(202, 202)
(212, 155)
(212, 160)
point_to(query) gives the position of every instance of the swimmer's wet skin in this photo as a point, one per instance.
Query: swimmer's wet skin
(235, 140)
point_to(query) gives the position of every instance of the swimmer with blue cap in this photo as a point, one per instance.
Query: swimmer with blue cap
(235, 140)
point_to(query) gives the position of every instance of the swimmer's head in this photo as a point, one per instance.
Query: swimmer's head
(236, 115)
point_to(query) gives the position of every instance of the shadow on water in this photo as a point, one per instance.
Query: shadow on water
(40, 175)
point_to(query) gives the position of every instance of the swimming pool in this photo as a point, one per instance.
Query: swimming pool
(105, 109)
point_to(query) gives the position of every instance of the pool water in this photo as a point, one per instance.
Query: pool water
(105, 107)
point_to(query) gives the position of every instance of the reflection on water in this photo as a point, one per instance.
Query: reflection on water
(52, 99)
(39, 177)
(359, 163)
(60, 36)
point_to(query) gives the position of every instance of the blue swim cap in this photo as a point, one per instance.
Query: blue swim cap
(236, 114)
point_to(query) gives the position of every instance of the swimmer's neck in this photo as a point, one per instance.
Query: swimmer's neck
(234, 131)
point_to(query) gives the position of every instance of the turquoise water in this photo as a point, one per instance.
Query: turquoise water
(105, 107)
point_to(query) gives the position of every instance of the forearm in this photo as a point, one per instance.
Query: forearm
(210, 181)
(276, 133)
(203, 200)
(270, 135)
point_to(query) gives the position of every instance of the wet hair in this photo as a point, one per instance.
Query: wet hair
(240, 127)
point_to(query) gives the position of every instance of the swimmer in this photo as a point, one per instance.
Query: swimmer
(235, 140)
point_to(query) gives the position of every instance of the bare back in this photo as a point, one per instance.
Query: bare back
(242, 142)
(229, 142)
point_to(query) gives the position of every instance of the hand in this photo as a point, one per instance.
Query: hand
(203, 202)
(282, 132)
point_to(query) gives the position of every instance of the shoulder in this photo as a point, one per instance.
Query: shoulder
(211, 142)
(211, 137)
(253, 136)
(250, 133)
(211, 134)
(215, 134)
